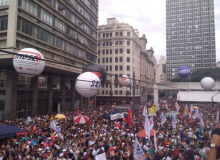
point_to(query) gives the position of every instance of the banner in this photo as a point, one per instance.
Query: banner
(174, 122)
(167, 106)
(53, 126)
(152, 110)
(129, 117)
(157, 107)
(144, 111)
(138, 152)
(117, 116)
(151, 122)
(147, 126)
(101, 157)
(155, 141)
(177, 107)
(163, 119)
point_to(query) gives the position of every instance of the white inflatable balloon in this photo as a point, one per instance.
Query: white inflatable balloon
(124, 80)
(88, 84)
(27, 66)
(207, 83)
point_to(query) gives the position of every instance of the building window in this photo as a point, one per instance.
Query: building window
(110, 34)
(110, 43)
(3, 23)
(110, 59)
(116, 33)
(128, 68)
(120, 59)
(116, 51)
(107, 34)
(121, 33)
(116, 68)
(121, 50)
(128, 43)
(106, 51)
(106, 60)
(103, 35)
(106, 68)
(98, 60)
(120, 43)
(116, 43)
(107, 43)
(98, 52)
(128, 51)
(103, 44)
(103, 51)
(120, 68)
(110, 51)
(103, 60)
(99, 35)
(116, 59)
(2, 105)
(128, 34)
(110, 68)
(128, 59)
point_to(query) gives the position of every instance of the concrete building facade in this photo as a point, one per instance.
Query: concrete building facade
(147, 72)
(119, 52)
(122, 52)
(190, 35)
(64, 32)
(218, 64)
(161, 71)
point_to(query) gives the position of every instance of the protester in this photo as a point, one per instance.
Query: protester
(185, 136)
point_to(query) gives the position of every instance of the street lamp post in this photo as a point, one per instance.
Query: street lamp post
(111, 93)
(135, 85)
(133, 101)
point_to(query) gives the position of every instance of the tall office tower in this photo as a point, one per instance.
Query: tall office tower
(190, 35)
(64, 32)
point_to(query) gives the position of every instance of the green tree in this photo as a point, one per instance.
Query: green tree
(198, 75)
(178, 79)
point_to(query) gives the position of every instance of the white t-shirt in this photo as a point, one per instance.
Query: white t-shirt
(168, 158)
(94, 152)
(190, 134)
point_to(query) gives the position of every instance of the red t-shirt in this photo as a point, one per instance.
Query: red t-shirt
(176, 152)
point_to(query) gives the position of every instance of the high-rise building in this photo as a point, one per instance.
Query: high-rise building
(190, 35)
(119, 52)
(63, 31)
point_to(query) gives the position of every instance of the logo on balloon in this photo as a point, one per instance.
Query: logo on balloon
(184, 71)
(96, 84)
(29, 66)
(124, 80)
(88, 84)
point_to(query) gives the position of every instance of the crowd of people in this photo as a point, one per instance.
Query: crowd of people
(188, 141)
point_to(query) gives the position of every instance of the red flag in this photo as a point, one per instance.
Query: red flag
(77, 112)
(129, 117)
(182, 117)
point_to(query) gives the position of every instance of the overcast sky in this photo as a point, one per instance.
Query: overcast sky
(149, 17)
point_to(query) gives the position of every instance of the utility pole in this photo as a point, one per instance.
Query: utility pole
(133, 102)
(111, 93)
